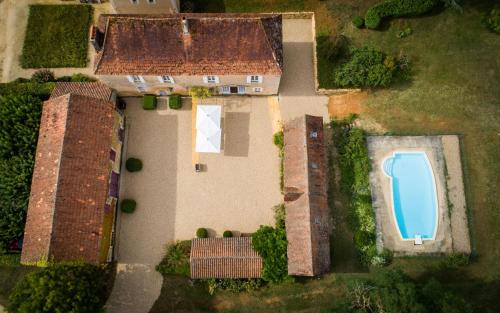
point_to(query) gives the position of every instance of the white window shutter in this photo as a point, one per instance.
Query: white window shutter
(130, 78)
(160, 78)
(217, 79)
(142, 79)
(249, 79)
(205, 79)
(260, 79)
(172, 80)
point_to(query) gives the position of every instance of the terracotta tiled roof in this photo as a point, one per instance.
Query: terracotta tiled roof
(89, 89)
(217, 44)
(306, 201)
(224, 258)
(70, 180)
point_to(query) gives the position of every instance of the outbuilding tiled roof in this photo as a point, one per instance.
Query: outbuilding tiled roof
(89, 89)
(224, 258)
(70, 180)
(217, 44)
(306, 202)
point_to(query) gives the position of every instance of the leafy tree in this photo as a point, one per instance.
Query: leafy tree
(75, 288)
(395, 292)
(366, 68)
(19, 123)
(271, 244)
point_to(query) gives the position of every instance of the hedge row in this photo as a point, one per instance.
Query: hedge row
(397, 8)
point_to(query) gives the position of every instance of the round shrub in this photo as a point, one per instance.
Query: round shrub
(358, 21)
(227, 234)
(202, 233)
(133, 165)
(174, 102)
(372, 19)
(43, 76)
(128, 206)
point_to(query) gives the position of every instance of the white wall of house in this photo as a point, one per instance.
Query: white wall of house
(128, 85)
(145, 6)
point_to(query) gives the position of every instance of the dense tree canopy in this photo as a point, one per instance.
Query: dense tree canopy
(19, 123)
(77, 288)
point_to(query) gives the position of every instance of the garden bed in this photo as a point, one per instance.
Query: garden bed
(57, 36)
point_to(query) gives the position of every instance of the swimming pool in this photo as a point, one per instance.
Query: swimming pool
(414, 196)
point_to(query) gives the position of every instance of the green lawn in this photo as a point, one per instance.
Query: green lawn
(57, 36)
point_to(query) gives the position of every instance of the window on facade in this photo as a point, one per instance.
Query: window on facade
(136, 79)
(255, 79)
(151, 1)
(258, 89)
(134, 1)
(226, 89)
(166, 79)
(212, 79)
(141, 89)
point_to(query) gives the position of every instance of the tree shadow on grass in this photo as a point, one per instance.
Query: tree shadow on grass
(203, 6)
(180, 294)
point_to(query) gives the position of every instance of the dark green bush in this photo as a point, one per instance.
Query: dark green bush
(149, 102)
(397, 8)
(174, 102)
(358, 21)
(81, 78)
(133, 165)
(176, 260)
(19, 123)
(493, 20)
(202, 233)
(278, 139)
(43, 76)
(271, 244)
(227, 234)
(233, 285)
(128, 206)
(365, 68)
(61, 288)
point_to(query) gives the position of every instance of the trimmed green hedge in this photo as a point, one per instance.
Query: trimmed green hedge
(397, 8)
(174, 102)
(176, 260)
(149, 102)
(227, 234)
(133, 165)
(202, 233)
(128, 206)
(57, 36)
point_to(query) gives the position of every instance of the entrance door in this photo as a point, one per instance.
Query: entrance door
(233, 89)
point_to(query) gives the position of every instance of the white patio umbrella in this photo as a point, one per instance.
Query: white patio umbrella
(208, 118)
(208, 143)
(208, 131)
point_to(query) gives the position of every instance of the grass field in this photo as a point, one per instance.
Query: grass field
(57, 36)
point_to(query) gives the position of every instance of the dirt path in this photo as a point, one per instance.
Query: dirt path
(13, 23)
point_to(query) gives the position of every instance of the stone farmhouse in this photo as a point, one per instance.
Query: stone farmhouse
(75, 182)
(238, 54)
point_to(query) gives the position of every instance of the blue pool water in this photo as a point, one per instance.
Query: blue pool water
(413, 194)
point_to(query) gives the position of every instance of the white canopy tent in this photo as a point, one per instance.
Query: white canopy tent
(208, 131)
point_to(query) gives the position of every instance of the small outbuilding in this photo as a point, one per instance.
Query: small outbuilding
(224, 258)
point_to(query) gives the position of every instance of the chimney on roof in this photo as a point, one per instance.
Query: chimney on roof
(185, 26)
